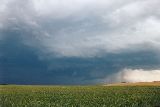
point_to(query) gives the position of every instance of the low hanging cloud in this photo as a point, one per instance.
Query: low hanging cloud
(86, 37)
(86, 29)
(134, 75)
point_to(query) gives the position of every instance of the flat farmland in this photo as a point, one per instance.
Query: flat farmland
(79, 96)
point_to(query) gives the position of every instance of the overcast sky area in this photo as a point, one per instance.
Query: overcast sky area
(79, 41)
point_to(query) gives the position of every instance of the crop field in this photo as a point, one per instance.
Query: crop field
(79, 96)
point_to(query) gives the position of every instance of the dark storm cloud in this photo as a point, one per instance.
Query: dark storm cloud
(81, 43)
(20, 65)
(85, 29)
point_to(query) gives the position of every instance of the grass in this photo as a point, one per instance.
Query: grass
(79, 96)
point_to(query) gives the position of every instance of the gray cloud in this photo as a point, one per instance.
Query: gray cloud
(86, 29)
(98, 37)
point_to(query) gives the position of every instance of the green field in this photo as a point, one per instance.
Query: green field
(79, 96)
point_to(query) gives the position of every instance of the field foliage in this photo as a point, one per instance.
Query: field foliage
(79, 96)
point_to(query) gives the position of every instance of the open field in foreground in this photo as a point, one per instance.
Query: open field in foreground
(79, 96)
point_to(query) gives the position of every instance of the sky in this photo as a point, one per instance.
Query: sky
(70, 42)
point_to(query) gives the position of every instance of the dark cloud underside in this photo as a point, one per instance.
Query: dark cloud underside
(56, 42)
